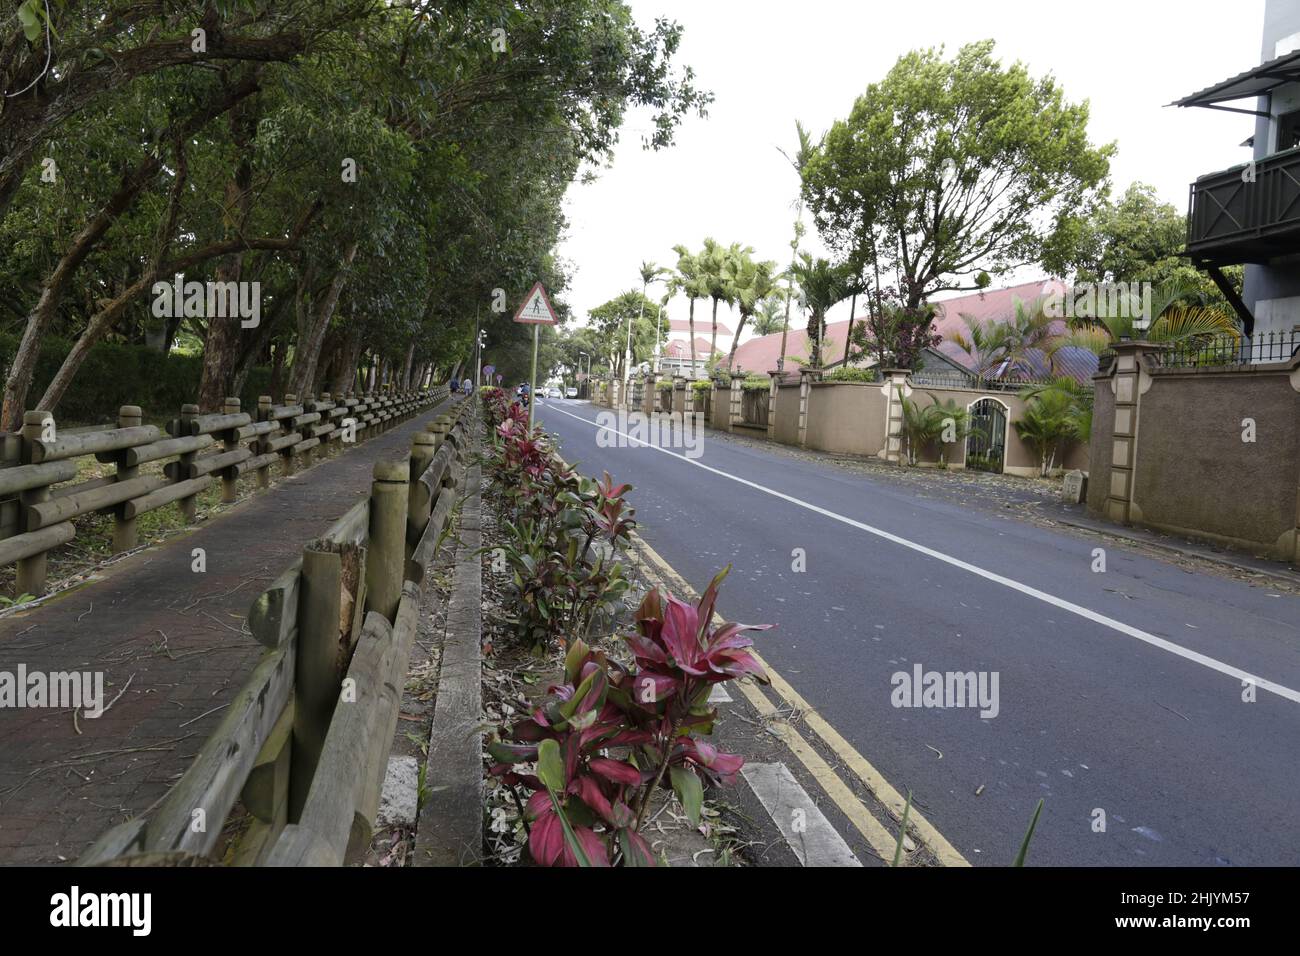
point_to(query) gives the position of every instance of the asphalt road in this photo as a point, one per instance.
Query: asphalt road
(1120, 693)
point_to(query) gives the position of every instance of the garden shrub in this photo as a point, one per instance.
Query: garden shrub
(116, 374)
(847, 373)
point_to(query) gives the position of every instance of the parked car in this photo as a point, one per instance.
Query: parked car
(571, 392)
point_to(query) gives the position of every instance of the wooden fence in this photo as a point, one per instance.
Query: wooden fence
(305, 743)
(39, 493)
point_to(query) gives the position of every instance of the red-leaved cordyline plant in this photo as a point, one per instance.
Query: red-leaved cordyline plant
(553, 519)
(604, 740)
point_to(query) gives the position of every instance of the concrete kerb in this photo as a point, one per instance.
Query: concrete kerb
(450, 827)
(1187, 551)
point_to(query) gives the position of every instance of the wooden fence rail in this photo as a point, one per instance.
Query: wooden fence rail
(40, 497)
(305, 743)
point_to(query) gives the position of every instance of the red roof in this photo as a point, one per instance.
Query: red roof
(759, 354)
(680, 350)
(702, 324)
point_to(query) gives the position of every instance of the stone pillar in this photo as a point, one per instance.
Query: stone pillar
(896, 389)
(771, 404)
(1129, 381)
(806, 378)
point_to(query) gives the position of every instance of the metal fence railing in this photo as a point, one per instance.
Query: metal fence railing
(1230, 350)
(951, 378)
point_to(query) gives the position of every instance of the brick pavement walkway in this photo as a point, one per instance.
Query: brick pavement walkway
(171, 642)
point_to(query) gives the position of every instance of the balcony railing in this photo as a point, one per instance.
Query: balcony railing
(1232, 219)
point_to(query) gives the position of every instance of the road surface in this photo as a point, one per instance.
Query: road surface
(1124, 695)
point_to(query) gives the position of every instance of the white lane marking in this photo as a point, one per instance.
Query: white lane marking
(1077, 609)
(810, 835)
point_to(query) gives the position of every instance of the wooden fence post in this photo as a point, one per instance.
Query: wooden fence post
(317, 676)
(386, 550)
(326, 405)
(419, 507)
(264, 404)
(31, 571)
(287, 466)
(189, 507)
(125, 531)
(230, 441)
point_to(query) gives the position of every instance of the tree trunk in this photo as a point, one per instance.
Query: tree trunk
(221, 344)
(713, 343)
(312, 337)
(405, 381)
(345, 372)
(785, 326)
(103, 320)
(731, 356)
(848, 336)
(692, 334)
(277, 369)
(56, 283)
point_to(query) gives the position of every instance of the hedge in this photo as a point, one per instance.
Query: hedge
(116, 374)
(851, 374)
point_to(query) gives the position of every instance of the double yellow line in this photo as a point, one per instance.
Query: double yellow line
(881, 841)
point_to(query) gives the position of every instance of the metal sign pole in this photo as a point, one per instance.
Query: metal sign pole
(532, 384)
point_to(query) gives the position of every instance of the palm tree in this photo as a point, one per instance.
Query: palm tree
(715, 264)
(752, 283)
(1049, 419)
(822, 285)
(688, 280)
(649, 273)
(767, 319)
(983, 343)
(799, 161)
(1076, 394)
(1177, 318)
(945, 422)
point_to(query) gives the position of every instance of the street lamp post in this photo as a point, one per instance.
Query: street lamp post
(586, 381)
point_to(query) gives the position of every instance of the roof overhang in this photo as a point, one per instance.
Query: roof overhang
(1261, 81)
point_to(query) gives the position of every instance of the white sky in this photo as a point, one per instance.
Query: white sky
(772, 61)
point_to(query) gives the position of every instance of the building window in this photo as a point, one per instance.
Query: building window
(1288, 131)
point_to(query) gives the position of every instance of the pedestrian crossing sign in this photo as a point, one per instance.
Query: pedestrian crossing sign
(536, 308)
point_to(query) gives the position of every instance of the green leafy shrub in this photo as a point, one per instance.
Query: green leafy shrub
(847, 373)
(940, 423)
(116, 374)
(756, 383)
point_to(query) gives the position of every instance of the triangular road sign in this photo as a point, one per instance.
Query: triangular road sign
(536, 309)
